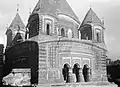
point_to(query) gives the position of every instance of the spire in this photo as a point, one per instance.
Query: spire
(91, 17)
(55, 7)
(17, 21)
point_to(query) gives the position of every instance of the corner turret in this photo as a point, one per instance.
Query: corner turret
(92, 28)
(16, 24)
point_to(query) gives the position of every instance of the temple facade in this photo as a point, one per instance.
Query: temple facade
(66, 45)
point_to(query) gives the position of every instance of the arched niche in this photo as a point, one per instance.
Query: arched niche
(48, 29)
(33, 25)
(62, 32)
(86, 32)
(98, 35)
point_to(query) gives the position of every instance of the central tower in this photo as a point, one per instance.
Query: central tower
(53, 18)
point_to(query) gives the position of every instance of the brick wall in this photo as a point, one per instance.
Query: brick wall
(54, 53)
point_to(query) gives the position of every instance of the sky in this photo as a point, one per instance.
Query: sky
(109, 10)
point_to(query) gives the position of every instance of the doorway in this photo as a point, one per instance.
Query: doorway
(86, 73)
(76, 71)
(65, 71)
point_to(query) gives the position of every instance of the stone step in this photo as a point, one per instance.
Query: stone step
(83, 84)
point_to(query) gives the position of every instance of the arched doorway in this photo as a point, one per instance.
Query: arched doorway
(65, 71)
(86, 73)
(76, 71)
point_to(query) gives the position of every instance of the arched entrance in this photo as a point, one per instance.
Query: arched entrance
(76, 71)
(65, 71)
(86, 73)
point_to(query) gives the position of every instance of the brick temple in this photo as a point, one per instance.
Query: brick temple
(64, 45)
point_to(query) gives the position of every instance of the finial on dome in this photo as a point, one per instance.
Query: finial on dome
(17, 7)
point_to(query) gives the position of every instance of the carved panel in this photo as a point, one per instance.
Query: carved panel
(42, 56)
(52, 56)
(42, 74)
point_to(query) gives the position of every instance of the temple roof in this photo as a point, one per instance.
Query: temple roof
(55, 7)
(17, 21)
(91, 17)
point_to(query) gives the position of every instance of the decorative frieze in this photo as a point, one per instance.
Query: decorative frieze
(42, 56)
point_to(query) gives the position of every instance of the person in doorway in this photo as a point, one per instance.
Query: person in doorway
(85, 72)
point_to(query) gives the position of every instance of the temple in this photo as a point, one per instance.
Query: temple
(55, 47)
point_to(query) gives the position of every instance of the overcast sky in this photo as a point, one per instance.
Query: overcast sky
(107, 9)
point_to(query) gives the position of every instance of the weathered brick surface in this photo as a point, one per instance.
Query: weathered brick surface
(53, 54)
(75, 51)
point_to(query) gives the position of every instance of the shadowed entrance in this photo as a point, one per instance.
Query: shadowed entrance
(86, 73)
(65, 72)
(76, 71)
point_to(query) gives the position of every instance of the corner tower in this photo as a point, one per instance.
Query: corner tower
(92, 28)
(15, 26)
